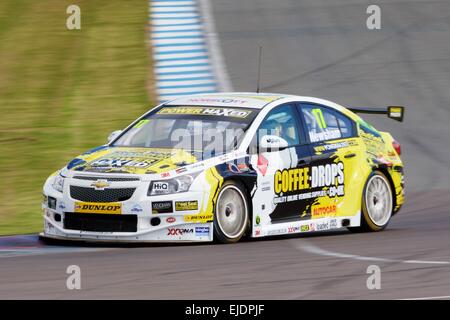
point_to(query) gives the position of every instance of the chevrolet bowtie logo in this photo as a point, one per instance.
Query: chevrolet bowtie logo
(100, 184)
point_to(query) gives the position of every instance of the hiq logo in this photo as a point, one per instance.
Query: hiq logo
(160, 186)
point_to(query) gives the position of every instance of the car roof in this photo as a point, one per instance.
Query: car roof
(252, 100)
(230, 99)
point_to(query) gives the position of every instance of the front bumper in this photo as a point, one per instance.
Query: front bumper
(180, 224)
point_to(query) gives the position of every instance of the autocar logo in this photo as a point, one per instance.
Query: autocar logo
(100, 184)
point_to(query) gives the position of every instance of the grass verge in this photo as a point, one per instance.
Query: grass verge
(63, 91)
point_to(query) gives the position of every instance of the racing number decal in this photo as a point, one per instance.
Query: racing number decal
(319, 117)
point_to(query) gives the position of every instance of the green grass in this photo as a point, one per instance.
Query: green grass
(63, 91)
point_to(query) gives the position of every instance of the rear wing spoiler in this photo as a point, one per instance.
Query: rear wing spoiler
(393, 112)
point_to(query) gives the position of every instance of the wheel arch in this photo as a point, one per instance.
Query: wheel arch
(384, 169)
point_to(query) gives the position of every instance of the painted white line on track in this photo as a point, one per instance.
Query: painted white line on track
(158, 9)
(191, 69)
(177, 16)
(180, 77)
(167, 29)
(180, 33)
(171, 3)
(159, 22)
(310, 248)
(158, 57)
(428, 298)
(178, 48)
(158, 42)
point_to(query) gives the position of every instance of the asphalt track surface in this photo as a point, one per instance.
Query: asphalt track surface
(317, 48)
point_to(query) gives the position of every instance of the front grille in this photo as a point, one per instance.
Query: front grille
(106, 195)
(100, 222)
(112, 179)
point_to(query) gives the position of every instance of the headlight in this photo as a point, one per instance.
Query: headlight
(58, 183)
(175, 185)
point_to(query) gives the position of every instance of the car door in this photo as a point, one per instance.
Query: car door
(281, 173)
(333, 145)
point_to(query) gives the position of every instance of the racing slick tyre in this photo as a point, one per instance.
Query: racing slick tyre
(377, 204)
(231, 220)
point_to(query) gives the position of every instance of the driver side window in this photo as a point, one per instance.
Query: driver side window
(280, 122)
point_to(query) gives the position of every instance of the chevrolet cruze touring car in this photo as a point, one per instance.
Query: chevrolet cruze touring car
(224, 166)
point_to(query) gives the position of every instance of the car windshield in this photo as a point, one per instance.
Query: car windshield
(210, 131)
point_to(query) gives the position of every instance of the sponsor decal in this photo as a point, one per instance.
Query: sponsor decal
(218, 100)
(198, 217)
(321, 226)
(326, 134)
(186, 205)
(201, 231)
(207, 111)
(62, 206)
(257, 233)
(276, 231)
(162, 207)
(136, 208)
(293, 229)
(258, 220)
(334, 146)
(304, 228)
(159, 186)
(171, 220)
(266, 186)
(180, 170)
(333, 223)
(312, 227)
(179, 231)
(100, 184)
(165, 174)
(291, 180)
(329, 177)
(262, 164)
(323, 211)
(98, 207)
(122, 162)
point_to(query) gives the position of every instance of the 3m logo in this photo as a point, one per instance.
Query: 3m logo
(97, 207)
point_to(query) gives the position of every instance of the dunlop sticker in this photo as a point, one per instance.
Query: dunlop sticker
(98, 207)
(198, 217)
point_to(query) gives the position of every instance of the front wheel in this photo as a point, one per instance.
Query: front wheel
(377, 203)
(231, 213)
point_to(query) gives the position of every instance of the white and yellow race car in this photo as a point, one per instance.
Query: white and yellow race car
(224, 166)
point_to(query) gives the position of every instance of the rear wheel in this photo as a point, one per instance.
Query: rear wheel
(231, 213)
(377, 203)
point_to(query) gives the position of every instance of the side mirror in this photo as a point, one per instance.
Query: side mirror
(114, 135)
(272, 143)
